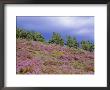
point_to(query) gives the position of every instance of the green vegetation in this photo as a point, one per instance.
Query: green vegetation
(38, 37)
(87, 45)
(56, 39)
(72, 42)
(29, 35)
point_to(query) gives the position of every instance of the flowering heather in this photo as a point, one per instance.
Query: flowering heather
(34, 57)
(28, 66)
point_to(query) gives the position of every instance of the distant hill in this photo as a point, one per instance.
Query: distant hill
(34, 57)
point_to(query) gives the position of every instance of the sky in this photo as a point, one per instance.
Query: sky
(81, 27)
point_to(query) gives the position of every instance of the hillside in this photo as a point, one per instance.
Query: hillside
(35, 57)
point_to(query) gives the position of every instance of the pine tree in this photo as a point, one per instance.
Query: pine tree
(56, 38)
(72, 42)
(87, 45)
(38, 37)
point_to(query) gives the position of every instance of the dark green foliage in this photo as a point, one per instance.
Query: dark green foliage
(29, 35)
(87, 45)
(24, 34)
(21, 33)
(72, 42)
(38, 37)
(56, 38)
(18, 33)
(91, 47)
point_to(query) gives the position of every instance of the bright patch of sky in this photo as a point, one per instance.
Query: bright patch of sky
(81, 27)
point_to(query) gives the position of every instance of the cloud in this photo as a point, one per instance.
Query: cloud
(84, 32)
(73, 25)
(71, 21)
(75, 22)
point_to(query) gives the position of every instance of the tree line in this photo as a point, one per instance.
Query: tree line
(56, 39)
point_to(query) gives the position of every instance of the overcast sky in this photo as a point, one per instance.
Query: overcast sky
(81, 27)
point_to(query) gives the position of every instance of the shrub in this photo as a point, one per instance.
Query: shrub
(56, 38)
(29, 35)
(38, 37)
(87, 45)
(72, 42)
(20, 33)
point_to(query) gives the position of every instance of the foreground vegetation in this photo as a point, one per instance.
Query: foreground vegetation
(34, 57)
(37, 56)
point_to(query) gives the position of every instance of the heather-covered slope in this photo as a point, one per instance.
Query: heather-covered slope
(35, 57)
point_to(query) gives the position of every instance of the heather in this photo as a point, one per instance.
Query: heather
(36, 56)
